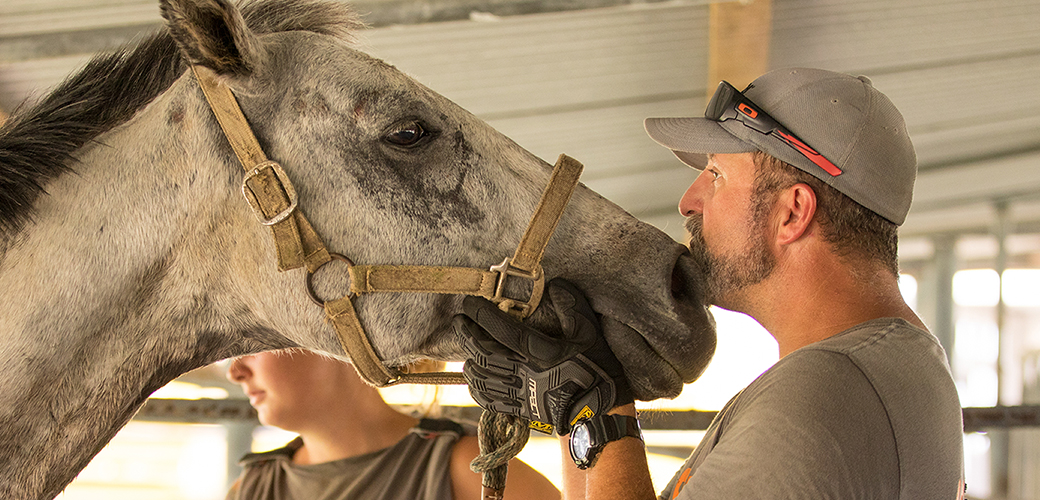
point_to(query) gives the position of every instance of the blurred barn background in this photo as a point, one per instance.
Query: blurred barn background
(579, 76)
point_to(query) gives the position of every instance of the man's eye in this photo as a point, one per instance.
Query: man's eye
(406, 135)
(714, 173)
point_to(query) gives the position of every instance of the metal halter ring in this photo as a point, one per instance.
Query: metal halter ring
(517, 307)
(310, 274)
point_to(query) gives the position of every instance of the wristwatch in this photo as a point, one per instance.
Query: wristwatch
(589, 436)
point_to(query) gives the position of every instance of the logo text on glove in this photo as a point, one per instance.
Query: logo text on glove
(532, 395)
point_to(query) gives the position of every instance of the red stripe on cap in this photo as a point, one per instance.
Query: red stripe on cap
(811, 154)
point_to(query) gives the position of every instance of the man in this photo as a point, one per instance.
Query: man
(807, 175)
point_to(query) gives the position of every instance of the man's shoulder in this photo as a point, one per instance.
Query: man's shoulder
(877, 333)
(896, 358)
(869, 362)
(890, 348)
(806, 378)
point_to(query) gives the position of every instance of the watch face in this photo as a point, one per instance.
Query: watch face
(580, 442)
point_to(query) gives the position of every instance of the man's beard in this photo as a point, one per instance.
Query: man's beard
(727, 276)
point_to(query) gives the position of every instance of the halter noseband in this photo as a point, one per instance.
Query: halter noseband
(273, 199)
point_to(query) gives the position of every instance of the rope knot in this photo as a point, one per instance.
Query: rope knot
(501, 438)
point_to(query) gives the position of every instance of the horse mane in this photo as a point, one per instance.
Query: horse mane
(38, 145)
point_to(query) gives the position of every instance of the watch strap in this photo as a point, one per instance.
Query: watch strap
(619, 426)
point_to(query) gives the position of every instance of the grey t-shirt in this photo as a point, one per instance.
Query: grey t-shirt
(417, 467)
(869, 413)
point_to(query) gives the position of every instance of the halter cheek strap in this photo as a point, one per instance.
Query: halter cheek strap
(265, 186)
(273, 199)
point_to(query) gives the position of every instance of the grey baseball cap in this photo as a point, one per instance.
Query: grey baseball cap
(842, 117)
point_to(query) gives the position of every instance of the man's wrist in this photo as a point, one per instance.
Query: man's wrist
(626, 409)
(589, 436)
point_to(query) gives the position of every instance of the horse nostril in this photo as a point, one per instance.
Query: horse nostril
(687, 280)
(678, 283)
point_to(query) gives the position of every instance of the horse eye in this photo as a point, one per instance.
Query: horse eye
(406, 135)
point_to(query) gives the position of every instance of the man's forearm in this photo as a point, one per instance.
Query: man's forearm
(620, 471)
(573, 478)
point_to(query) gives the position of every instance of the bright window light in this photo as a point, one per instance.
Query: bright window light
(202, 465)
(981, 287)
(186, 390)
(908, 289)
(153, 460)
(266, 438)
(977, 465)
(975, 361)
(976, 287)
(979, 387)
(976, 342)
(1021, 287)
(743, 351)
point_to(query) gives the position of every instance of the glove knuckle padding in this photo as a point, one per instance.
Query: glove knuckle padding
(499, 325)
(521, 371)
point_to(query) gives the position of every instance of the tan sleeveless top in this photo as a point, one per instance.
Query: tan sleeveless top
(417, 467)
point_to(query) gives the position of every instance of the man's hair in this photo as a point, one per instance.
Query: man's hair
(853, 230)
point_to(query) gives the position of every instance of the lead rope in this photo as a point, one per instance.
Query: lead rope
(270, 194)
(501, 437)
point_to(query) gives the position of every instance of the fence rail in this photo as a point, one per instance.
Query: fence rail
(238, 410)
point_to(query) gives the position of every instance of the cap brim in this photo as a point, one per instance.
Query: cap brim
(692, 139)
(695, 160)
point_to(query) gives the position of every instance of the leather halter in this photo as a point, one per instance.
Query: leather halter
(273, 199)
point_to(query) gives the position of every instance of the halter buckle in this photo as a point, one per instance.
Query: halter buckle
(286, 188)
(518, 308)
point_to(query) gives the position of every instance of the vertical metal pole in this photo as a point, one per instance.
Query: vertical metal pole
(239, 442)
(935, 293)
(999, 438)
(739, 34)
(1000, 232)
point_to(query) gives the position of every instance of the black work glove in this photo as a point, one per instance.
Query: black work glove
(553, 382)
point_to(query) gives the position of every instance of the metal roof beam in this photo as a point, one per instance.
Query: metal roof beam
(44, 33)
(739, 35)
(390, 12)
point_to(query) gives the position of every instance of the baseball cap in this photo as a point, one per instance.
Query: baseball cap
(860, 133)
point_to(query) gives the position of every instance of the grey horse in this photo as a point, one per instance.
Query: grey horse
(128, 256)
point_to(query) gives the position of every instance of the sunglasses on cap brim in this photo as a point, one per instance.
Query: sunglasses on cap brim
(728, 103)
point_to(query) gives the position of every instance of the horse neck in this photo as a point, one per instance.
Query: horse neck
(111, 292)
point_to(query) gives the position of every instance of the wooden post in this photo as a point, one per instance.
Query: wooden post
(738, 42)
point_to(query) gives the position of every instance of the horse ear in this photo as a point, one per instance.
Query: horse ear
(213, 33)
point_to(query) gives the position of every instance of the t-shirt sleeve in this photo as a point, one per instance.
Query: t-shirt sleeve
(812, 427)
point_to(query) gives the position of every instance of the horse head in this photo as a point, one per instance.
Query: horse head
(390, 172)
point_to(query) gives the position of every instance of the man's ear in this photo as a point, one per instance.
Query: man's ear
(797, 210)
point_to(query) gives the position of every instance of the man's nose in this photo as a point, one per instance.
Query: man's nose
(692, 201)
